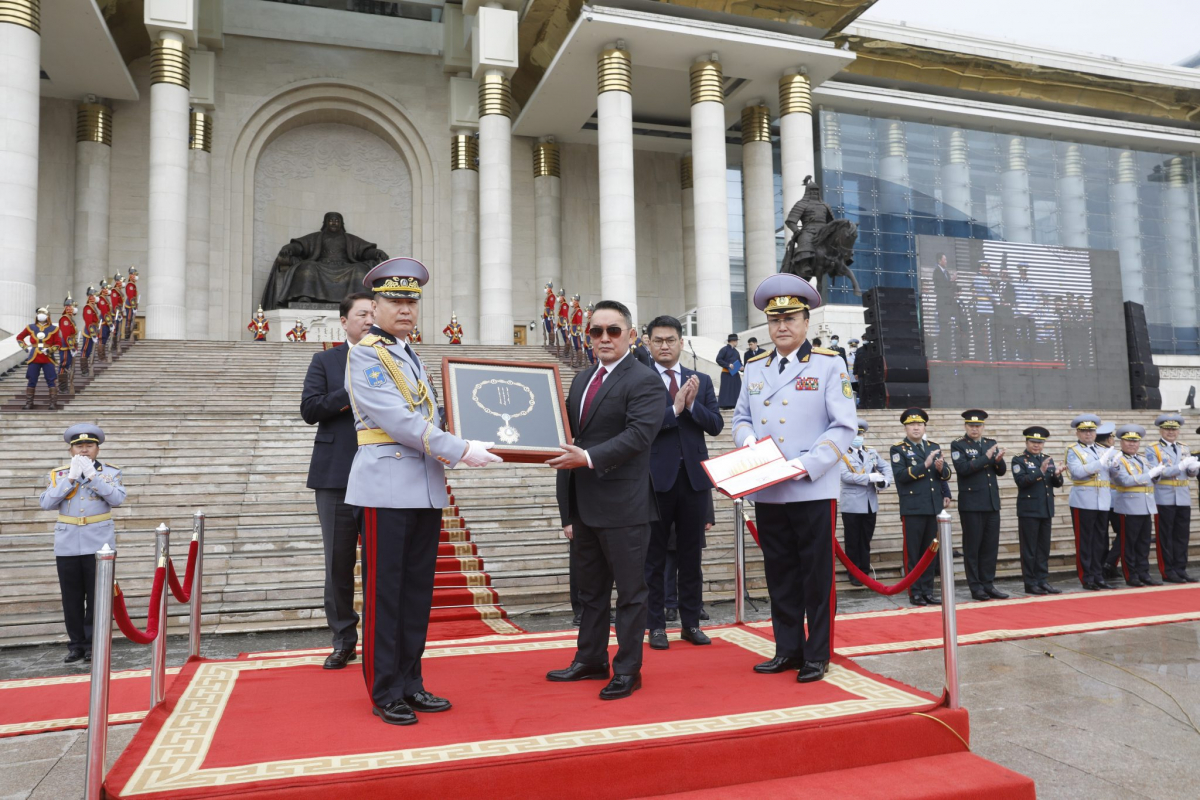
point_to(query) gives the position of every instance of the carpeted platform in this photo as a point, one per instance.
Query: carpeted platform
(261, 727)
(37, 705)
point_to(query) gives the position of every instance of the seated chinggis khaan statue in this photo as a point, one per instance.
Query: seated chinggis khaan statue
(320, 267)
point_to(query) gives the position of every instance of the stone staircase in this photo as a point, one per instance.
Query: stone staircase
(216, 426)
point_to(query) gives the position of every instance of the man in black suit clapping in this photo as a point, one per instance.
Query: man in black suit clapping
(682, 487)
(606, 501)
(326, 404)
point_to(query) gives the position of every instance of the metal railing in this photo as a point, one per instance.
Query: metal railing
(102, 622)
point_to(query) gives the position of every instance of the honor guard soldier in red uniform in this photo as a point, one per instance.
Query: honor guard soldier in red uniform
(453, 331)
(398, 482)
(563, 321)
(576, 332)
(41, 337)
(116, 300)
(102, 305)
(90, 332)
(131, 301)
(548, 315)
(587, 335)
(299, 333)
(415, 336)
(259, 325)
(68, 335)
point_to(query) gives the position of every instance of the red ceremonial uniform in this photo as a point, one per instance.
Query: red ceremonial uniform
(564, 312)
(67, 331)
(131, 296)
(259, 328)
(548, 308)
(91, 319)
(104, 307)
(115, 299)
(40, 355)
(298, 335)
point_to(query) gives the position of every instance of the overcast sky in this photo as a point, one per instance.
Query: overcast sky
(1157, 31)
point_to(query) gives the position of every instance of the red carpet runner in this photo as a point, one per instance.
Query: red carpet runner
(514, 734)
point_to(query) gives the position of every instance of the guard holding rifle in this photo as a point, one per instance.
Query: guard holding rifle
(1036, 476)
(978, 461)
(919, 468)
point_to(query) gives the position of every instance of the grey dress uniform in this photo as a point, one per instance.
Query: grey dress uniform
(1090, 502)
(1133, 503)
(859, 502)
(1173, 497)
(84, 526)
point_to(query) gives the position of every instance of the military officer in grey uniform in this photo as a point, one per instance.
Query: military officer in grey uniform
(800, 396)
(1132, 480)
(1106, 439)
(978, 460)
(398, 484)
(1173, 496)
(1036, 476)
(864, 475)
(920, 469)
(83, 492)
(1087, 466)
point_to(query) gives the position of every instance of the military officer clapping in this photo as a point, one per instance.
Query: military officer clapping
(1133, 503)
(1036, 476)
(920, 470)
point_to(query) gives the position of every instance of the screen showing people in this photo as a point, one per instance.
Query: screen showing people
(1007, 304)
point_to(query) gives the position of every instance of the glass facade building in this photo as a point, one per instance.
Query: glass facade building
(897, 179)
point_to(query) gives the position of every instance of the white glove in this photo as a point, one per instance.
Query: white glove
(749, 440)
(1188, 464)
(795, 462)
(1156, 471)
(478, 455)
(76, 469)
(876, 478)
(88, 466)
(1110, 455)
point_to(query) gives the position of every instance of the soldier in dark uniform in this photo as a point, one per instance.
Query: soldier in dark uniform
(1037, 476)
(730, 362)
(919, 469)
(977, 461)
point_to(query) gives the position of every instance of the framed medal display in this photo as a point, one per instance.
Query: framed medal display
(516, 404)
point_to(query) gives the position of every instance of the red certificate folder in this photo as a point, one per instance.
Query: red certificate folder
(743, 471)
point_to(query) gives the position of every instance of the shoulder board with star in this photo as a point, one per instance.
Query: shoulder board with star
(759, 357)
(899, 443)
(824, 351)
(372, 339)
(932, 443)
(110, 465)
(63, 470)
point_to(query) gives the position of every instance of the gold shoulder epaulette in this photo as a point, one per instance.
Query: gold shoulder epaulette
(110, 464)
(370, 339)
(759, 357)
(897, 444)
(825, 351)
(63, 468)
(931, 443)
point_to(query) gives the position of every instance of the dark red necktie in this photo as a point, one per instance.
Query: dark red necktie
(674, 387)
(591, 395)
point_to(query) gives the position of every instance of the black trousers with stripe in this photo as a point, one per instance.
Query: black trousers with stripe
(797, 545)
(858, 530)
(399, 556)
(1135, 544)
(1034, 536)
(919, 532)
(77, 581)
(1173, 528)
(1091, 543)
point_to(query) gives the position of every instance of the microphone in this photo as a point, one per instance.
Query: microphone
(695, 367)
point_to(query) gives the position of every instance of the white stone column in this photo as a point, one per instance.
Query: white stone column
(1072, 199)
(199, 184)
(614, 115)
(464, 231)
(831, 149)
(894, 183)
(758, 198)
(688, 212)
(1014, 194)
(93, 168)
(714, 316)
(20, 112)
(495, 209)
(956, 185)
(795, 136)
(1181, 266)
(1127, 233)
(547, 213)
(166, 258)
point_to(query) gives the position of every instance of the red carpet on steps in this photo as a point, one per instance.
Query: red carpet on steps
(514, 734)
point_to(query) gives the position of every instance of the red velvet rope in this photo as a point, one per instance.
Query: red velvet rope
(183, 593)
(895, 588)
(122, 614)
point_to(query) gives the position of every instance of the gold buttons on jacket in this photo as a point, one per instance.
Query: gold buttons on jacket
(764, 420)
(782, 420)
(768, 402)
(785, 402)
(781, 438)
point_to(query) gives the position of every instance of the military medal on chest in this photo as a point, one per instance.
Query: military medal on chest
(505, 391)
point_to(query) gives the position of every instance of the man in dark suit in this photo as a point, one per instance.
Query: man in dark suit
(606, 500)
(946, 305)
(326, 404)
(682, 487)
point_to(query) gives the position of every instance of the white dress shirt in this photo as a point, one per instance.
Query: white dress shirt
(664, 373)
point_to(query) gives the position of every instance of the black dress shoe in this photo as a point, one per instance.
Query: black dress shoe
(855, 582)
(1050, 589)
(695, 636)
(1091, 587)
(777, 664)
(621, 686)
(995, 593)
(1173, 579)
(956, 553)
(1147, 580)
(339, 658)
(932, 599)
(1034, 590)
(87, 655)
(1104, 585)
(980, 595)
(427, 702)
(1188, 578)
(672, 615)
(1110, 573)
(579, 672)
(703, 615)
(73, 656)
(397, 713)
(917, 600)
(1134, 580)
(577, 620)
(812, 671)
(658, 639)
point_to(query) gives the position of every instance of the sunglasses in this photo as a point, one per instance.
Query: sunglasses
(613, 331)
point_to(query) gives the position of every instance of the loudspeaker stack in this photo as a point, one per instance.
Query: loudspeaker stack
(1143, 375)
(891, 367)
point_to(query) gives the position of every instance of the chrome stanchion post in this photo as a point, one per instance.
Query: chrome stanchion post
(739, 562)
(158, 667)
(102, 619)
(197, 586)
(949, 618)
